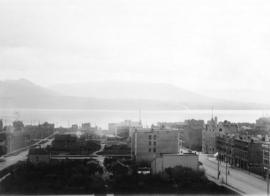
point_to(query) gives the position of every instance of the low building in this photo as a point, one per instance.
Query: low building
(122, 131)
(38, 155)
(65, 142)
(122, 127)
(189, 160)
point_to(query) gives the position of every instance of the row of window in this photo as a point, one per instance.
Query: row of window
(154, 143)
(150, 150)
(150, 137)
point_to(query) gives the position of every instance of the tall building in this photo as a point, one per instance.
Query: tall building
(212, 130)
(1, 125)
(86, 127)
(147, 144)
(263, 125)
(209, 136)
(192, 134)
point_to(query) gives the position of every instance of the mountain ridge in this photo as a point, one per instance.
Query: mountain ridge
(26, 94)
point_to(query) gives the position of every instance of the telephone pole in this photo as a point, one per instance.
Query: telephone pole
(218, 172)
(268, 170)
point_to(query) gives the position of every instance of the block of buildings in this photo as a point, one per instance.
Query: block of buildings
(160, 163)
(241, 151)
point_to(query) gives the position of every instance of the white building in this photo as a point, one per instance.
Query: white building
(159, 164)
(117, 128)
(147, 144)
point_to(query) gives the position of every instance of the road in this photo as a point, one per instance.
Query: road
(21, 156)
(248, 184)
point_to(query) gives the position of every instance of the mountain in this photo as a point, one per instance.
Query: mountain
(129, 90)
(113, 95)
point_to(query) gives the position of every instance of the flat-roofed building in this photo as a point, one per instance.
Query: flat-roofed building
(160, 163)
(38, 155)
(147, 144)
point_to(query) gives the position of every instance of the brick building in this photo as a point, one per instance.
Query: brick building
(243, 152)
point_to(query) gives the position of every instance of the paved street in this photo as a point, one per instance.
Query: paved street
(21, 156)
(247, 183)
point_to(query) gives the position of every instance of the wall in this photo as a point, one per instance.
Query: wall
(150, 144)
(166, 161)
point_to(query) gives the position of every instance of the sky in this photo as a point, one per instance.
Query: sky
(217, 48)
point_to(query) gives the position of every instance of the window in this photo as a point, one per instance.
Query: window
(155, 137)
(154, 150)
(150, 137)
(150, 143)
(149, 150)
(220, 129)
(155, 143)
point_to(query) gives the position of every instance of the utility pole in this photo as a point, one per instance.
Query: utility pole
(226, 168)
(268, 170)
(218, 172)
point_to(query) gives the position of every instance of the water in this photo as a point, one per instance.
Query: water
(101, 118)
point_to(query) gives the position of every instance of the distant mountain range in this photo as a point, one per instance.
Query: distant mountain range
(109, 95)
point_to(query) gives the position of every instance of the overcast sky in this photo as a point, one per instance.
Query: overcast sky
(205, 46)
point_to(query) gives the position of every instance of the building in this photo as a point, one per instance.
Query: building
(86, 126)
(266, 156)
(212, 130)
(38, 155)
(18, 125)
(121, 128)
(192, 134)
(65, 142)
(15, 140)
(74, 128)
(3, 143)
(122, 131)
(1, 125)
(147, 144)
(160, 163)
(209, 136)
(263, 122)
(241, 151)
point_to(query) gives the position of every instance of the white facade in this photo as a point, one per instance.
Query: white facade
(147, 144)
(189, 160)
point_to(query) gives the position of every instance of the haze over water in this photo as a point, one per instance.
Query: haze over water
(101, 118)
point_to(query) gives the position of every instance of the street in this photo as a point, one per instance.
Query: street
(249, 184)
(21, 156)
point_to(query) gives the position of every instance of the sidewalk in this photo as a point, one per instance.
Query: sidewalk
(236, 168)
(219, 183)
